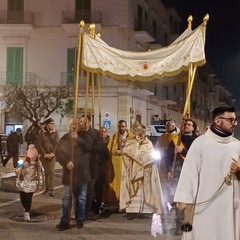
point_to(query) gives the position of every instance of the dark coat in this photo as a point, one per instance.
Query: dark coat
(87, 162)
(13, 142)
(81, 171)
(93, 148)
(31, 136)
(63, 156)
(186, 140)
(47, 141)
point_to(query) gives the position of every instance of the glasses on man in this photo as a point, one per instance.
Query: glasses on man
(230, 119)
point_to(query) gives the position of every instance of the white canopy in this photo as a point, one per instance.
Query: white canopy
(145, 66)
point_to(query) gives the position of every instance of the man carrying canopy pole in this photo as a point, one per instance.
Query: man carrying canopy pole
(67, 142)
(79, 59)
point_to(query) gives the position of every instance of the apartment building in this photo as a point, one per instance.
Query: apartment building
(38, 46)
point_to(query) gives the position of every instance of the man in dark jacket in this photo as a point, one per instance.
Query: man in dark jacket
(173, 175)
(14, 141)
(84, 162)
(48, 139)
(31, 136)
(66, 156)
(94, 152)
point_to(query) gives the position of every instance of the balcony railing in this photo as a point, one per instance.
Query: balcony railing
(71, 17)
(16, 17)
(67, 79)
(22, 79)
(140, 26)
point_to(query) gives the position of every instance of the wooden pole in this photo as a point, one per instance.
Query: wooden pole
(99, 100)
(87, 94)
(187, 102)
(93, 95)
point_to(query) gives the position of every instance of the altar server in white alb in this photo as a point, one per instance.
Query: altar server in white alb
(209, 181)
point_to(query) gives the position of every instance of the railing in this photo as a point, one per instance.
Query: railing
(67, 79)
(140, 26)
(70, 16)
(16, 17)
(22, 78)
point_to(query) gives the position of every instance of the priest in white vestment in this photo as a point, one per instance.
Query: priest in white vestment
(209, 181)
(141, 190)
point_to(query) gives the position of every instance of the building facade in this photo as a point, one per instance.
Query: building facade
(38, 46)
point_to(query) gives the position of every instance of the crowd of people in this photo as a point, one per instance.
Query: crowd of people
(193, 175)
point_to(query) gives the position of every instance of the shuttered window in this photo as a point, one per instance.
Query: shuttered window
(14, 71)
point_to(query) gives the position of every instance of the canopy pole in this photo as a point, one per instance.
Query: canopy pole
(189, 19)
(99, 100)
(92, 34)
(190, 72)
(184, 115)
(93, 93)
(87, 93)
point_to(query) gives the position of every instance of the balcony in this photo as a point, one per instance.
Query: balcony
(68, 79)
(212, 92)
(162, 101)
(143, 32)
(16, 17)
(74, 17)
(22, 79)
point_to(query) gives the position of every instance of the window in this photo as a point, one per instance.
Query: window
(83, 10)
(14, 72)
(15, 11)
(154, 24)
(71, 65)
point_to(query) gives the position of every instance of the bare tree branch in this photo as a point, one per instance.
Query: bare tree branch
(33, 103)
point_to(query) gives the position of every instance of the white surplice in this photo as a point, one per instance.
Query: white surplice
(217, 211)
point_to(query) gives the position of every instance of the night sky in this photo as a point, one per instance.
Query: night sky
(222, 37)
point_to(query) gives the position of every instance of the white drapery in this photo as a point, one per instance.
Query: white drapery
(145, 66)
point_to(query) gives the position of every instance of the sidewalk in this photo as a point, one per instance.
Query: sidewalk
(8, 177)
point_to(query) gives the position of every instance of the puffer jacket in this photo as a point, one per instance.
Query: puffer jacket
(31, 176)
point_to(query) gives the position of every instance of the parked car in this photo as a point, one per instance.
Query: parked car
(154, 132)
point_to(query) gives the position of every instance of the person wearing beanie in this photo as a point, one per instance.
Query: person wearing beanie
(48, 140)
(30, 179)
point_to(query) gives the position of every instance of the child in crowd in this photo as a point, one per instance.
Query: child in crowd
(30, 179)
